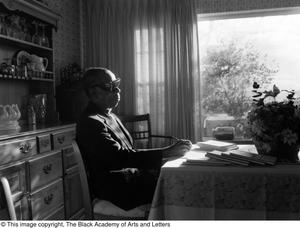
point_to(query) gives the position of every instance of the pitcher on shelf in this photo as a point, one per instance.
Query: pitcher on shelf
(39, 63)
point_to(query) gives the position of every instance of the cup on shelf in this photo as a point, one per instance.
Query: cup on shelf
(44, 39)
(3, 24)
(13, 112)
(36, 39)
(9, 113)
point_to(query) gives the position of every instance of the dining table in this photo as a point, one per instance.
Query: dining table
(192, 191)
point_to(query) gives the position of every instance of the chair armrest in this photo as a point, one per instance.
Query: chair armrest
(171, 139)
(164, 136)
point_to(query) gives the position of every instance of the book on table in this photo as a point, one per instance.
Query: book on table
(198, 158)
(225, 156)
(254, 158)
(210, 145)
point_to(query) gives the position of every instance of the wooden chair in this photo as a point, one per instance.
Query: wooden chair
(142, 132)
(8, 198)
(102, 209)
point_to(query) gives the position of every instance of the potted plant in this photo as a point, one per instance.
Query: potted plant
(274, 123)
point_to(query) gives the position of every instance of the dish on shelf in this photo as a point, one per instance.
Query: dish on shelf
(21, 58)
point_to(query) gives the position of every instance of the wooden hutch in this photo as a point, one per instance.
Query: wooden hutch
(36, 159)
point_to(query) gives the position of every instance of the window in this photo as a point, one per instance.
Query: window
(150, 77)
(237, 51)
(149, 67)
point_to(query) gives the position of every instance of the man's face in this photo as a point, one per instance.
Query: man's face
(106, 93)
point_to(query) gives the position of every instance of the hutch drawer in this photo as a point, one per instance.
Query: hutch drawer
(43, 143)
(45, 169)
(62, 139)
(17, 150)
(46, 200)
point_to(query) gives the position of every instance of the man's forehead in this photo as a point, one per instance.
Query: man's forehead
(96, 76)
(108, 76)
(104, 76)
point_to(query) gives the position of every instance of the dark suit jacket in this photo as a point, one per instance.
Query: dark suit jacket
(106, 155)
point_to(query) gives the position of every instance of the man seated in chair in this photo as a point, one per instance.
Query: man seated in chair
(117, 171)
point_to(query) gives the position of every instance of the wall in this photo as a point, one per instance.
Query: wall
(213, 6)
(67, 39)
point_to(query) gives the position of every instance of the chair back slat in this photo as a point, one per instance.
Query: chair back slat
(139, 127)
(135, 118)
(8, 198)
(140, 134)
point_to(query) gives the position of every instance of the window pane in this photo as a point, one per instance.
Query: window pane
(235, 53)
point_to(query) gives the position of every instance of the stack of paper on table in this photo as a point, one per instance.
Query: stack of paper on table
(253, 158)
(240, 157)
(217, 145)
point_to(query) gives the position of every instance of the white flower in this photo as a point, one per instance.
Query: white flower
(269, 100)
(282, 96)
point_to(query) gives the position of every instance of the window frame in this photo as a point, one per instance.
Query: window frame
(248, 13)
(244, 14)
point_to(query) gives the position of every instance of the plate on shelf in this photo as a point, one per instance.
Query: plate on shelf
(21, 58)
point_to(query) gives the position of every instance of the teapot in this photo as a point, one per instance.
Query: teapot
(39, 63)
(3, 113)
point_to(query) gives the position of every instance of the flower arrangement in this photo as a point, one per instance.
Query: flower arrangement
(274, 122)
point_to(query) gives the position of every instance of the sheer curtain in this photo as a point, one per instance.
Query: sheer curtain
(153, 46)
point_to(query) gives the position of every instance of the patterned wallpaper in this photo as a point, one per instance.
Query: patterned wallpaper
(213, 6)
(66, 41)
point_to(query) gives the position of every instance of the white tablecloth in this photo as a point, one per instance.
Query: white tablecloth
(197, 192)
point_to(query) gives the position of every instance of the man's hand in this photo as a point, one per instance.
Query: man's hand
(130, 173)
(178, 149)
(127, 173)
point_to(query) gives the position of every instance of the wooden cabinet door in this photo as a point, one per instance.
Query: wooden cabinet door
(73, 194)
(22, 208)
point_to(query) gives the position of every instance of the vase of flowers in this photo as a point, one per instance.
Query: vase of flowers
(274, 123)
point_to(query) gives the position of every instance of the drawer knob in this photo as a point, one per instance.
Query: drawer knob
(48, 199)
(47, 168)
(61, 139)
(25, 148)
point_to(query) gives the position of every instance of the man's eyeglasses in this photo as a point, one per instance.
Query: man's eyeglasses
(111, 86)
